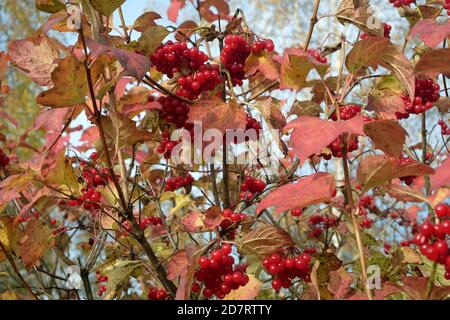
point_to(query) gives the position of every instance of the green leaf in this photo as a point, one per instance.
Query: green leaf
(118, 273)
(106, 7)
(151, 39)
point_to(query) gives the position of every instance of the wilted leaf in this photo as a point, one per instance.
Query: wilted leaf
(145, 21)
(387, 136)
(37, 58)
(316, 188)
(270, 110)
(264, 241)
(106, 7)
(214, 113)
(312, 134)
(376, 170)
(434, 62)
(247, 292)
(431, 32)
(135, 64)
(151, 39)
(118, 273)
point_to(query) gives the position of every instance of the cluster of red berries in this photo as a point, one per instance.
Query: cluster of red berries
(366, 223)
(317, 55)
(261, 45)
(386, 32)
(4, 160)
(219, 274)
(432, 238)
(399, 3)
(427, 92)
(447, 6)
(365, 202)
(157, 294)
(444, 127)
(178, 182)
(286, 269)
(252, 124)
(297, 212)
(206, 79)
(319, 223)
(29, 215)
(231, 221)
(346, 113)
(235, 51)
(250, 186)
(171, 58)
(166, 145)
(100, 280)
(174, 111)
(145, 222)
(92, 177)
(404, 160)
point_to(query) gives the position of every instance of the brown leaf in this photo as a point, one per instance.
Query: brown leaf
(376, 170)
(434, 62)
(213, 218)
(4, 59)
(312, 134)
(405, 194)
(184, 29)
(145, 21)
(221, 6)
(214, 113)
(316, 188)
(387, 136)
(306, 108)
(151, 39)
(264, 241)
(36, 58)
(270, 110)
(431, 32)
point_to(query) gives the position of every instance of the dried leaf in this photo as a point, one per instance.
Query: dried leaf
(434, 62)
(145, 21)
(151, 39)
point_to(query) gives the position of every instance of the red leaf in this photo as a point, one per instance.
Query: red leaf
(221, 6)
(134, 64)
(431, 32)
(317, 188)
(178, 265)
(312, 134)
(174, 9)
(441, 176)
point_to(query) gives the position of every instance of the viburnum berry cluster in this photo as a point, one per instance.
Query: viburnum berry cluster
(101, 279)
(250, 187)
(386, 32)
(445, 130)
(171, 58)
(4, 159)
(317, 55)
(166, 145)
(404, 160)
(319, 223)
(157, 294)
(366, 202)
(230, 223)
(174, 111)
(427, 92)
(219, 274)
(252, 124)
(346, 112)
(399, 3)
(447, 6)
(431, 238)
(207, 78)
(297, 212)
(178, 182)
(285, 269)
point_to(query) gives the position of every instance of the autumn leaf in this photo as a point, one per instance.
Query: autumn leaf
(386, 105)
(174, 9)
(193, 222)
(248, 292)
(316, 188)
(434, 62)
(262, 63)
(431, 32)
(296, 67)
(312, 134)
(386, 135)
(33, 242)
(4, 59)
(213, 217)
(376, 170)
(151, 39)
(63, 176)
(441, 176)
(214, 113)
(119, 272)
(270, 110)
(123, 131)
(374, 51)
(264, 241)
(145, 21)
(36, 57)
(221, 6)
(184, 30)
(106, 7)
(135, 65)
(405, 194)
(178, 265)
(340, 283)
(49, 6)
(70, 84)
(305, 108)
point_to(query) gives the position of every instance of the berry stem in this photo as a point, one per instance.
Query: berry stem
(354, 215)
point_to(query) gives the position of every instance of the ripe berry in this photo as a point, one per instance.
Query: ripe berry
(442, 210)
(296, 212)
